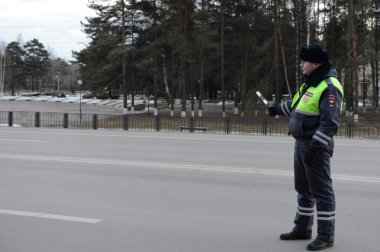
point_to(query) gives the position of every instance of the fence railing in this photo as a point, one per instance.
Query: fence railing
(230, 125)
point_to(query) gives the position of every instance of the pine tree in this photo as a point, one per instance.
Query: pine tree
(36, 61)
(15, 67)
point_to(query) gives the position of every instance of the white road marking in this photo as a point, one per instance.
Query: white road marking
(183, 167)
(279, 139)
(18, 140)
(171, 135)
(49, 216)
(356, 178)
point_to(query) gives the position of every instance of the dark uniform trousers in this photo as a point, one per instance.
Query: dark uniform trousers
(314, 186)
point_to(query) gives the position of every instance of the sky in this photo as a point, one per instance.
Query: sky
(55, 23)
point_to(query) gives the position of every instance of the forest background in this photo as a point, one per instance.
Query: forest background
(199, 51)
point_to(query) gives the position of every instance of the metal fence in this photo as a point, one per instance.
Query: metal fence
(230, 125)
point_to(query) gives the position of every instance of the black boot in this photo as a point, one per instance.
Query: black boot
(318, 244)
(295, 236)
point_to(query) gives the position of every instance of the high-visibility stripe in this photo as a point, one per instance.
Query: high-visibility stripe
(306, 214)
(326, 213)
(321, 134)
(285, 109)
(307, 113)
(320, 140)
(306, 208)
(326, 218)
(306, 211)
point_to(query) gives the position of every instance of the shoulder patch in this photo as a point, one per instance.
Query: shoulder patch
(332, 100)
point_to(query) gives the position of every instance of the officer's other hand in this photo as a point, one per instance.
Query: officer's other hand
(313, 152)
(272, 110)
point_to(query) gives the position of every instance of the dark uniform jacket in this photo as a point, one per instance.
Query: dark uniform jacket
(321, 123)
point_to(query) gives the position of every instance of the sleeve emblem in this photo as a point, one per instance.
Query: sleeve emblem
(332, 100)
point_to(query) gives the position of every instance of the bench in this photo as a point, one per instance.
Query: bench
(194, 128)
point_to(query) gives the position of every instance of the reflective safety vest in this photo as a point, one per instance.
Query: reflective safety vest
(308, 104)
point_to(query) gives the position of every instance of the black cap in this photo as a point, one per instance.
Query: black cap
(314, 53)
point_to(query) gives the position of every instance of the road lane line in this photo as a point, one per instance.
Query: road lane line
(252, 138)
(171, 136)
(147, 164)
(18, 140)
(179, 166)
(49, 216)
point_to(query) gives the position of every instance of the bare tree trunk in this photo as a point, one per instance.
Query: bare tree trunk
(222, 59)
(201, 80)
(167, 89)
(297, 19)
(155, 106)
(353, 43)
(244, 79)
(123, 59)
(373, 80)
(2, 73)
(132, 69)
(173, 85)
(364, 94)
(155, 70)
(333, 14)
(283, 58)
(183, 70)
(376, 79)
(276, 52)
(201, 59)
(191, 90)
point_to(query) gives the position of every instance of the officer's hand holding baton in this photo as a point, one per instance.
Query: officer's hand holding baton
(271, 108)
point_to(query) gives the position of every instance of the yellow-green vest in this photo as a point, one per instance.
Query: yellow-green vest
(309, 103)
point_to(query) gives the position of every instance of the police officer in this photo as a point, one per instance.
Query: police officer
(314, 119)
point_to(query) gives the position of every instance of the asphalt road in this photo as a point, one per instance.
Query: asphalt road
(108, 191)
